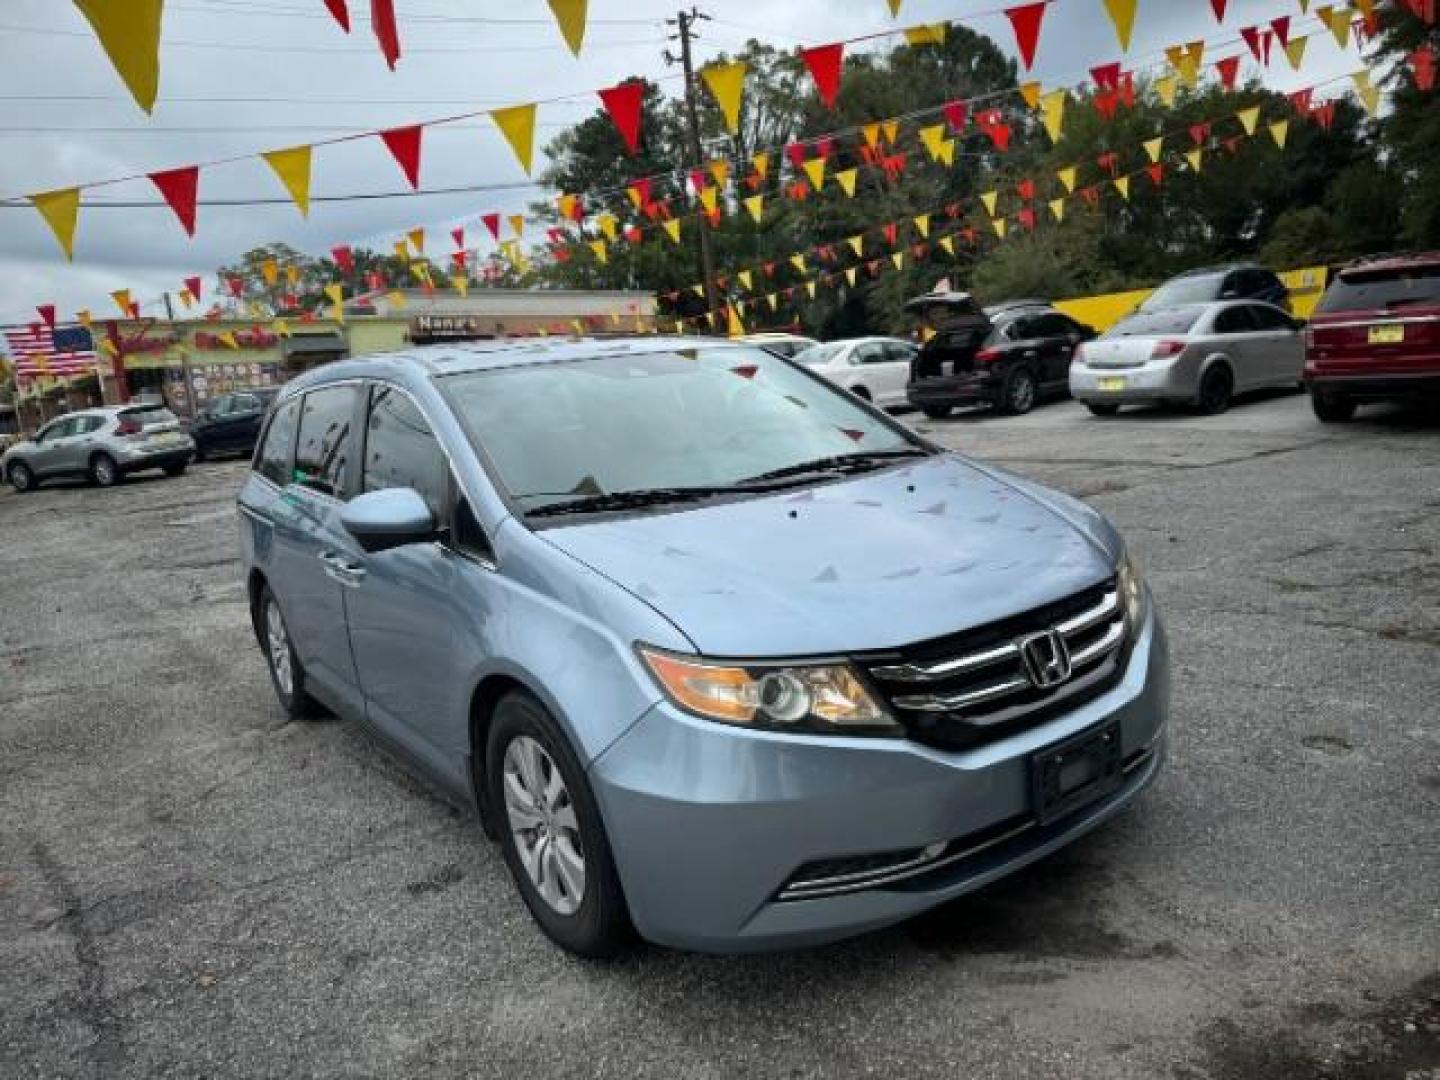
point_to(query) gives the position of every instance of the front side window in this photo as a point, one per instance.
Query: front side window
(323, 447)
(58, 430)
(711, 417)
(1269, 318)
(402, 451)
(273, 461)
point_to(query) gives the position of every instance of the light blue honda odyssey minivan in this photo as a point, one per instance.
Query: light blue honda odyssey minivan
(721, 654)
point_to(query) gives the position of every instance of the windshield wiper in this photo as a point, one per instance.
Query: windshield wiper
(839, 463)
(629, 500)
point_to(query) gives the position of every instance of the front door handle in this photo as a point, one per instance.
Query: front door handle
(339, 568)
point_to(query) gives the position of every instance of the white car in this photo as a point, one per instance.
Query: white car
(874, 368)
(786, 345)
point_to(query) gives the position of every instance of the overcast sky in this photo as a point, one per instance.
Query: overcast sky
(242, 76)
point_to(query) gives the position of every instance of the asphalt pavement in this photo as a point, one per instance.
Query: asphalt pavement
(191, 886)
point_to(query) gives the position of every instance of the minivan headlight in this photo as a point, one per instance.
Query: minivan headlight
(817, 698)
(1132, 592)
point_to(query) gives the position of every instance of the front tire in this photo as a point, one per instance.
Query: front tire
(287, 674)
(176, 470)
(103, 471)
(21, 478)
(1332, 408)
(936, 412)
(1020, 392)
(550, 831)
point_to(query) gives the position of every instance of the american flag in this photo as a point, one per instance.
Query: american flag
(38, 350)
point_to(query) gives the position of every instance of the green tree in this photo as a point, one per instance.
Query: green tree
(1410, 133)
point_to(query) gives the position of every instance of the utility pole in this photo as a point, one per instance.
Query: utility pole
(684, 22)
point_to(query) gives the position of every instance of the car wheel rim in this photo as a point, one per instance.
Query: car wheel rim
(20, 479)
(543, 824)
(104, 472)
(1023, 395)
(278, 642)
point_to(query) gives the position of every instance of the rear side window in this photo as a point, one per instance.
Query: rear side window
(402, 451)
(1234, 320)
(1375, 292)
(273, 461)
(1269, 318)
(324, 447)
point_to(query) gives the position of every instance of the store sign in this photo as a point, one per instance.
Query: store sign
(246, 339)
(449, 326)
(148, 343)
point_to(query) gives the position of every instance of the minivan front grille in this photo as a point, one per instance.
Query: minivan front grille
(970, 688)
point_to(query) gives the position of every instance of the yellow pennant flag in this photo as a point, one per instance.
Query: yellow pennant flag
(737, 328)
(281, 327)
(1001, 227)
(922, 226)
(1369, 93)
(1190, 66)
(1295, 51)
(1166, 87)
(727, 85)
(1249, 118)
(607, 225)
(1053, 113)
(1122, 14)
(461, 284)
(894, 7)
(747, 280)
(402, 251)
(1195, 158)
(256, 309)
(926, 34)
(270, 271)
(898, 258)
(810, 288)
(227, 338)
(761, 162)
(84, 318)
(933, 139)
(846, 179)
(337, 300)
(871, 132)
(601, 255)
(1067, 178)
(129, 32)
(672, 229)
(990, 198)
(1030, 91)
(292, 275)
(1122, 185)
(698, 289)
(798, 261)
(567, 205)
(517, 124)
(710, 199)
(570, 14)
(1153, 148)
(773, 299)
(293, 168)
(891, 128)
(948, 243)
(60, 209)
(417, 240)
(517, 224)
(850, 276)
(755, 206)
(815, 170)
(1338, 19)
(122, 301)
(1057, 207)
(720, 170)
(1365, 7)
(857, 244)
(396, 298)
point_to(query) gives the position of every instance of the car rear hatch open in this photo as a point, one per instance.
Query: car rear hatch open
(1381, 318)
(958, 330)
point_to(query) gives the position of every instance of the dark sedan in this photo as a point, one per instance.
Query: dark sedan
(231, 423)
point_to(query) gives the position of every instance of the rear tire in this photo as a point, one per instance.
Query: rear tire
(936, 412)
(287, 674)
(1103, 408)
(543, 802)
(1020, 392)
(1332, 408)
(21, 478)
(175, 470)
(1215, 389)
(200, 454)
(103, 471)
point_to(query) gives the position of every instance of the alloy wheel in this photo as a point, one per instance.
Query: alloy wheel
(277, 643)
(104, 470)
(541, 817)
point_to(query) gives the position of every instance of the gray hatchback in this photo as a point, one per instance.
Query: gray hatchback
(719, 651)
(102, 445)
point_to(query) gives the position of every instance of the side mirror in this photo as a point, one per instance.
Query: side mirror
(381, 520)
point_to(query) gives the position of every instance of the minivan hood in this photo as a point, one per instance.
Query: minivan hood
(874, 562)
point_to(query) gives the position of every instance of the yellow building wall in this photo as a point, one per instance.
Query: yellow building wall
(1102, 312)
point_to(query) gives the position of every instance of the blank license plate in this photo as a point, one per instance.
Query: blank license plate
(1386, 335)
(1113, 382)
(1066, 777)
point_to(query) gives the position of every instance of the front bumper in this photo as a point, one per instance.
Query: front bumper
(946, 390)
(708, 823)
(1158, 380)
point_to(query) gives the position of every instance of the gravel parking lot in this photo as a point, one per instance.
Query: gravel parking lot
(190, 886)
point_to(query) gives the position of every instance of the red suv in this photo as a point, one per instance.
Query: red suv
(1375, 335)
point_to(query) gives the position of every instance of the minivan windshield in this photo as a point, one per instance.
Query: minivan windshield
(1196, 289)
(1373, 292)
(667, 424)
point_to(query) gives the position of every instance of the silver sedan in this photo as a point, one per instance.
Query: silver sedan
(1199, 354)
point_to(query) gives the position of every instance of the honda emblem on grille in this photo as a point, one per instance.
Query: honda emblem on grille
(1046, 658)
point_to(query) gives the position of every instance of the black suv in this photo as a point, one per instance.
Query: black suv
(231, 423)
(1008, 356)
(1239, 281)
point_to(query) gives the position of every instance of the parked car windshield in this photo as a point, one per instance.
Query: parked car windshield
(817, 355)
(1172, 321)
(1186, 290)
(1371, 292)
(689, 418)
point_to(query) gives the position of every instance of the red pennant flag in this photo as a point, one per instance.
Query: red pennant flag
(1218, 6)
(492, 223)
(1110, 162)
(640, 191)
(1324, 115)
(47, 312)
(955, 114)
(1200, 132)
(577, 210)
(713, 216)
(1228, 68)
(634, 234)
(1026, 20)
(952, 211)
(969, 234)
(555, 236)
(991, 123)
(341, 13)
(796, 153)
(1106, 76)
(1126, 90)
(799, 190)
(1422, 66)
(1251, 34)
(894, 165)
(236, 284)
(890, 232)
(769, 269)
(1091, 195)
(458, 235)
(382, 20)
(824, 147)
(193, 284)
(1232, 144)
(1424, 10)
(753, 181)
(1155, 172)
(134, 309)
(179, 186)
(824, 62)
(1300, 99)
(1106, 102)
(1026, 189)
(343, 259)
(623, 103)
(1027, 218)
(918, 250)
(874, 267)
(1266, 41)
(1281, 26)
(404, 144)
(698, 181)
